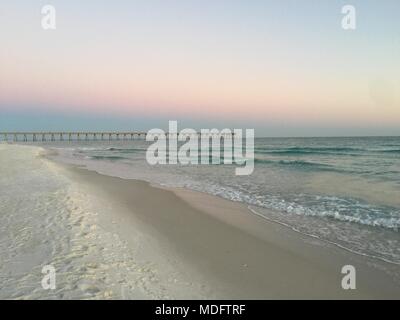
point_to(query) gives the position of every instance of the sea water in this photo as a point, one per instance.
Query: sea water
(342, 190)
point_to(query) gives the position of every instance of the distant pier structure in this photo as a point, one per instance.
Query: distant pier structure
(81, 136)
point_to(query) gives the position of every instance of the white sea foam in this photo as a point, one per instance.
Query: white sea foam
(360, 221)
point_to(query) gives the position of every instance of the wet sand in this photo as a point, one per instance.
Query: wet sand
(226, 251)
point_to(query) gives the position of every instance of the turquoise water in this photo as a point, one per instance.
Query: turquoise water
(342, 190)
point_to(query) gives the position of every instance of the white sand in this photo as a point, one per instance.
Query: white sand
(124, 239)
(47, 218)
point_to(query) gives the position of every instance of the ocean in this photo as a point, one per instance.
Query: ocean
(345, 191)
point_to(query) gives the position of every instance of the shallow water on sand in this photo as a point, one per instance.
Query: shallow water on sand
(342, 190)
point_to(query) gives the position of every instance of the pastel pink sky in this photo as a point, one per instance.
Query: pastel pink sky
(252, 62)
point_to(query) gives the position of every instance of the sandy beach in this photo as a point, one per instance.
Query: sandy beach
(230, 253)
(114, 238)
(200, 150)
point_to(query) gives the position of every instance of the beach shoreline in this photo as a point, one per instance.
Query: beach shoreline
(118, 238)
(237, 254)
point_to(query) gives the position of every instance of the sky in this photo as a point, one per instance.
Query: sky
(284, 67)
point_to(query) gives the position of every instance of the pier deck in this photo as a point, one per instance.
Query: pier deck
(77, 136)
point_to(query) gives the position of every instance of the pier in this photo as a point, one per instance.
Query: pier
(53, 136)
(70, 136)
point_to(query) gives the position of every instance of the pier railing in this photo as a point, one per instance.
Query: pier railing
(79, 136)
